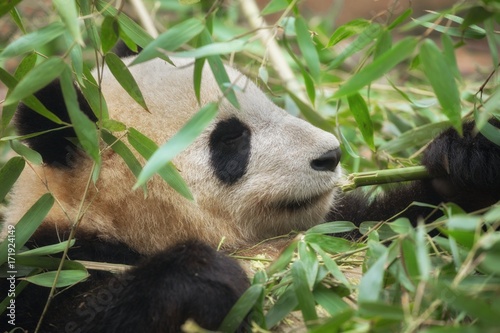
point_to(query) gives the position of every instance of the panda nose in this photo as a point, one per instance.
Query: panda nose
(328, 161)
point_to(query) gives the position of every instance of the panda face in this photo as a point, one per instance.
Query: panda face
(255, 172)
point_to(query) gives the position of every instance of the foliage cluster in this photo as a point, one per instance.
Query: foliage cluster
(385, 86)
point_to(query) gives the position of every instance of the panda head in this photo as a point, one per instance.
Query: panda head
(255, 172)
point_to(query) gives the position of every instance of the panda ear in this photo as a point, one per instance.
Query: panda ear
(54, 146)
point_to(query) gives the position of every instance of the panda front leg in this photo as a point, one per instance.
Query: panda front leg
(188, 281)
(464, 170)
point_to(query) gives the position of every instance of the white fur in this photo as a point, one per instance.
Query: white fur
(244, 213)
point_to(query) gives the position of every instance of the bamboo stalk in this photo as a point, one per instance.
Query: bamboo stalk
(378, 177)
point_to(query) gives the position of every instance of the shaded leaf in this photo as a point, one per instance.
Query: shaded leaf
(25, 151)
(48, 249)
(307, 47)
(242, 307)
(303, 292)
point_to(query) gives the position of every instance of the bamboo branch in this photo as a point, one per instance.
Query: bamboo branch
(356, 180)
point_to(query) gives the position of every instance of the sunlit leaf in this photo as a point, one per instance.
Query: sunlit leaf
(33, 40)
(361, 114)
(40, 76)
(64, 279)
(69, 15)
(177, 143)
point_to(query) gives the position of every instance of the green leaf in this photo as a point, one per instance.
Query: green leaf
(177, 143)
(449, 54)
(368, 36)
(85, 128)
(9, 174)
(424, 261)
(110, 30)
(171, 40)
(31, 101)
(6, 6)
(197, 76)
(48, 249)
(125, 153)
(219, 71)
(26, 226)
(93, 95)
(310, 260)
(307, 47)
(69, 15)
(332, 266)
(330, 301)
(400, 19)
(331, 244)
(34, 40)
(311, 115)
(36, 79)
(146, 147)
(332, 228)
(241, 308)
(381, 310)
(347, 30)
(283, 260)
(274, 6)
(371, 283)
(66, 278)
(127, 25)
(28, 153)
(303, 292)
(87, 8)
(380, 66)
(475, 15)
(359, 110)
(415, 137)
(237, 45)
(125, 78)
(443, 83)
(285, 304)
(26, 65)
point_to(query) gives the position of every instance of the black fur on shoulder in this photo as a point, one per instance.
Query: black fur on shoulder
(122, 50)
(187, 281)
(55, 148)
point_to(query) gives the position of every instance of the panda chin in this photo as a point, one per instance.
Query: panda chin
(294, 205)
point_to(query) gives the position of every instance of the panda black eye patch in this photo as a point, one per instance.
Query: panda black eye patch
(230, 150)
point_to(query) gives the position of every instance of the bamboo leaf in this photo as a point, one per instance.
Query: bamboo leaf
(110, 30)
(359, 110)
(28, 153)
(371, 283)
(125, 78)
(48, 249)
(443, 83)
(69, 15)
(31, 101)
(27, 225)
(241, 308)
(177, 143)
(347, 30)
(380, 66)
(85, 128)
(303, 292)
(6, 6)
(237, 45)
(171, 40)
(125, 153)
(307, 47)
(9, 174)
(33, 40)
(274, 6)
(36, 79)
(66, 278)
(146, 147)
(332, 228)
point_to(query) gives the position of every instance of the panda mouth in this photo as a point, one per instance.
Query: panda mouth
(299, 204)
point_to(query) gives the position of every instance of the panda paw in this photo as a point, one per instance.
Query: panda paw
(465, 169)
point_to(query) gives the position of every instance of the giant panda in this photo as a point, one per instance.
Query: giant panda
(255, 173)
